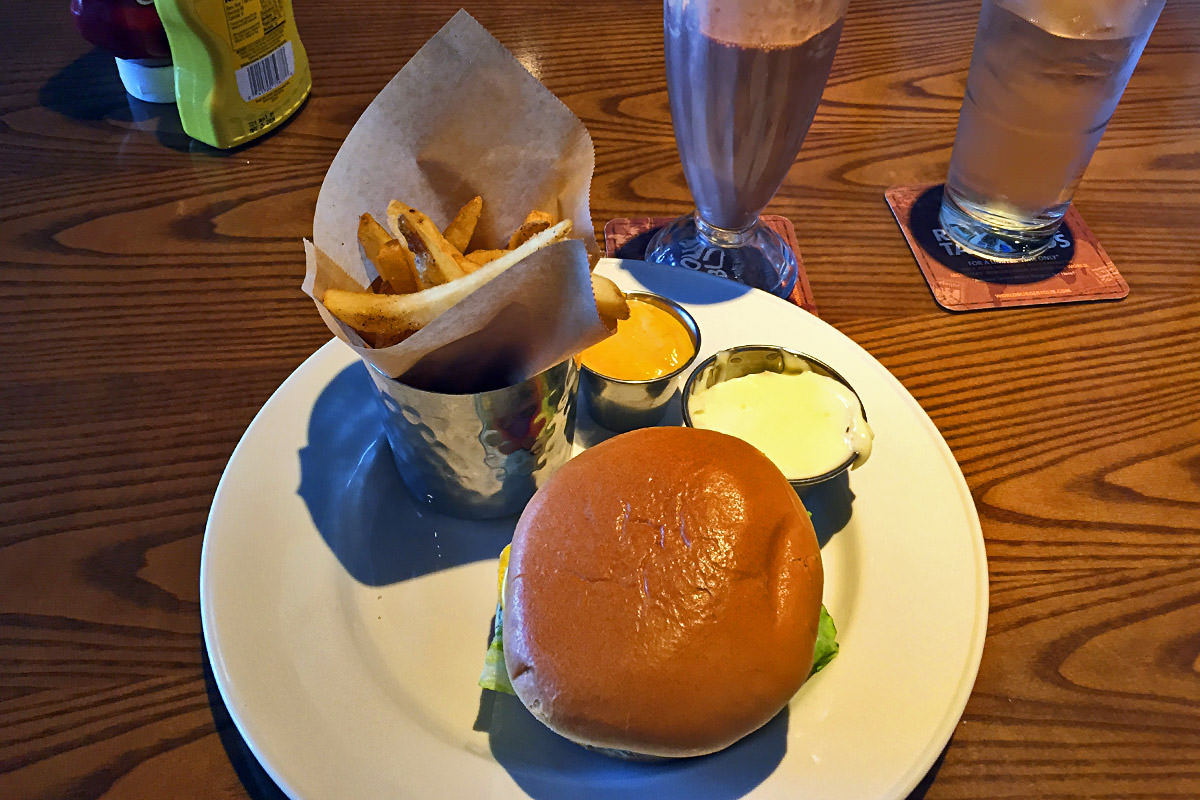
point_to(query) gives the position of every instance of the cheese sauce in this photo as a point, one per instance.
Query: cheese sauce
(807, 423)
(650, 344)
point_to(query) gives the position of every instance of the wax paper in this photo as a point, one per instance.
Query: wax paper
(464, 117)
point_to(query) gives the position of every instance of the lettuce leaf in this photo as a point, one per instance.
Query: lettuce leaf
(827, 646)
(495, 674)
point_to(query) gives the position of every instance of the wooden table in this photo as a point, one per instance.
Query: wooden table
(151, 303)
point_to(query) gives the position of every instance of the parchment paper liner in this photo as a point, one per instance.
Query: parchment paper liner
(463, 117)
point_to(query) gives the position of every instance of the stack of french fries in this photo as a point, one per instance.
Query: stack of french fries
(423, 271)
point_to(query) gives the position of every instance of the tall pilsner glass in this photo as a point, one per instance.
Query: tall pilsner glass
(744, 78)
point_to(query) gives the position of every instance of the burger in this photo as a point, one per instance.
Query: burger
(662, 596)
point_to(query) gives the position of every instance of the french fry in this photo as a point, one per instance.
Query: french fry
(535, 222)
(371, 236)
(462, 227)
(395, 263)
(381, 340)
(391, 257)
(480, 257)
(610, 301)
(466, 265)
(386, 314)
(400, 315)
(432, 254)
(422, 271)
(555, 233)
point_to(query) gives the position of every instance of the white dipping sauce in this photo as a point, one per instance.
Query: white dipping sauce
(807, 423)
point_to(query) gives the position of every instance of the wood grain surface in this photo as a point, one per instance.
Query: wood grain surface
(150, 303)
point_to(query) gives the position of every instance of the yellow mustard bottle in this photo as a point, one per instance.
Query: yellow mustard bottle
(240, 68)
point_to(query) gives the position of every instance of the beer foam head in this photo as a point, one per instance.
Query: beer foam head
(759, 23)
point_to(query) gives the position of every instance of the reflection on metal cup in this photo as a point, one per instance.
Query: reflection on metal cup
(481, 455)
(1045, 78)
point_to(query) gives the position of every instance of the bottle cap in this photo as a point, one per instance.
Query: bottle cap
(149, 79)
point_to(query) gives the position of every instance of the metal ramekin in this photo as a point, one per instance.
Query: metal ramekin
(736, 362)
(621, 405)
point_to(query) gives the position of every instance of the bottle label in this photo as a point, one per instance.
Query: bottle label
(261, 76)
(256, 27)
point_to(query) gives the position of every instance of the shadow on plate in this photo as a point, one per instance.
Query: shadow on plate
(547, 766)
(358, 503)
(705, 290)
(830, 505)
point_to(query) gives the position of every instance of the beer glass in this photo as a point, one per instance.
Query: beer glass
(1045, 78)
(744, 78)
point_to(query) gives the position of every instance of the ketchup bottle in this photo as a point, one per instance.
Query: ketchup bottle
(133, 33)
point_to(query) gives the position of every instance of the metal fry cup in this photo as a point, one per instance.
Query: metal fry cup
(622, 405)
(483, 455)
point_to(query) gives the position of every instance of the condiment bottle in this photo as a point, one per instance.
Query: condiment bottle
(131, 31)
(240, 68)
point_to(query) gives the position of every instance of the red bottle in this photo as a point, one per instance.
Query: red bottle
(132, 32)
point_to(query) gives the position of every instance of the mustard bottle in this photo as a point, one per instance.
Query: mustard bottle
(240, 68)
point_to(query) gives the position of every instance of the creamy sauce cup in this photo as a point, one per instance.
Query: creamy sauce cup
(623, 405)
(738, 362)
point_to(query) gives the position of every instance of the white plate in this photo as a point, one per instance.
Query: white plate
(347, 627)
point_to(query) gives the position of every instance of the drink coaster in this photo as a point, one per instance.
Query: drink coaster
(1075, 268)
(627, 238)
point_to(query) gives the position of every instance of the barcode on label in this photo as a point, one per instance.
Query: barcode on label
(255, 80)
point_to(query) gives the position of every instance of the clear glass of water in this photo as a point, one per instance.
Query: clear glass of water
(744, 80)
(1045, 78)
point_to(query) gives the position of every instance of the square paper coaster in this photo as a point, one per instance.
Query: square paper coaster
(1074, 269)
(627, 238)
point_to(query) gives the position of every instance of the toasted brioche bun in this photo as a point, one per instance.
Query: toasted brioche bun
(663, 594)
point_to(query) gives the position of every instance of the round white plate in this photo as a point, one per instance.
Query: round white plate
(347, 627)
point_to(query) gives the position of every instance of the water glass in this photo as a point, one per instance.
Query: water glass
(1045, 78)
